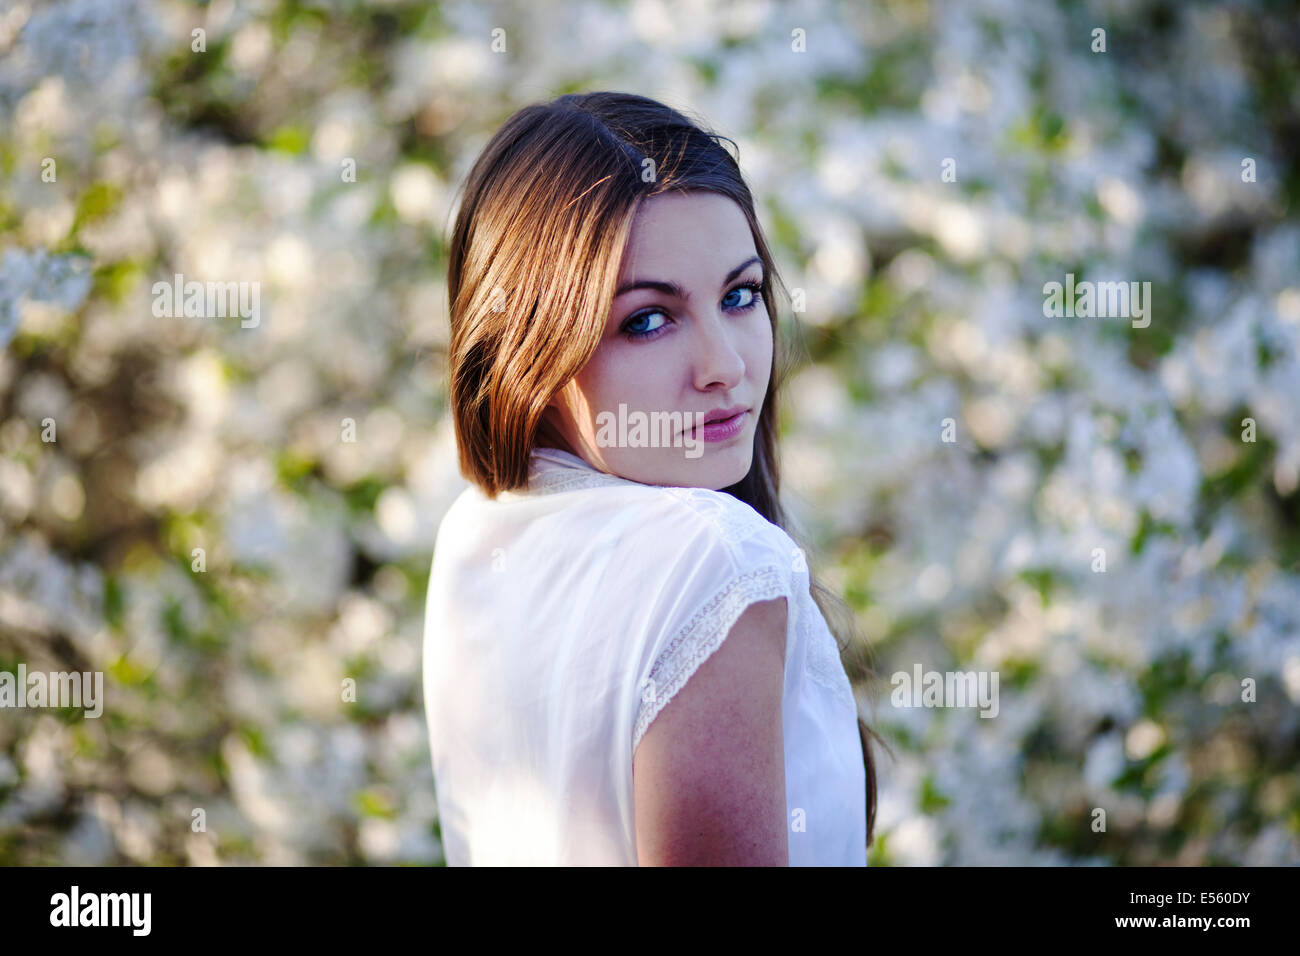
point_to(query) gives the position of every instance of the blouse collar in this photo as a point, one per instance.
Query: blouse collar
(552, 469)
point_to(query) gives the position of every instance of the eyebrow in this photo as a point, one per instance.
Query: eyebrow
(673, 289)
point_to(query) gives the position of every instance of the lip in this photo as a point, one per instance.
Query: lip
(718, 415)
(722, 424)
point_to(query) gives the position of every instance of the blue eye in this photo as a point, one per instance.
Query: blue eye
(635, 329)
(754, 289)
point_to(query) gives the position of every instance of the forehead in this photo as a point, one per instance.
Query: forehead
(684, 235)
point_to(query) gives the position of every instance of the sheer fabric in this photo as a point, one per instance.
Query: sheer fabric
(563, 617)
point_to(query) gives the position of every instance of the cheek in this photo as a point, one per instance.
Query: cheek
(759, 357)
(626, 375)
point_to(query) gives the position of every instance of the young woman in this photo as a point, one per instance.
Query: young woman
(624, 663)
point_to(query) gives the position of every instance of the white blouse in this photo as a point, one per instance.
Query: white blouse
(563, 617)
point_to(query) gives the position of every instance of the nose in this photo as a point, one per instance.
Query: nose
(718, 363)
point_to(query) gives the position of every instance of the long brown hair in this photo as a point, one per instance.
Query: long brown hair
(534, 260)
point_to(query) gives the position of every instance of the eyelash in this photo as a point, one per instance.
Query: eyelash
(754, 287)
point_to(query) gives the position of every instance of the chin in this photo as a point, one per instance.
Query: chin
(714, 470)
(724, 474)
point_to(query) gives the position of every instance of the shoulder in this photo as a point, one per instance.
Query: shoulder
(700, 546)
(469, 499)
(731, 526)
(459, 519)
(664, 535)
(719, 557)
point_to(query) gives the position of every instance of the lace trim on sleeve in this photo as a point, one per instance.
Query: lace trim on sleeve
(823, 662)
(700, 637)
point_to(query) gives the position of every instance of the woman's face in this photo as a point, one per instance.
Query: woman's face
(688, 340)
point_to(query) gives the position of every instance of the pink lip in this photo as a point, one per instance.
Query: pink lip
(722, 424)
(722, 414)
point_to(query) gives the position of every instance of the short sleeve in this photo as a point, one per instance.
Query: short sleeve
(726, 557)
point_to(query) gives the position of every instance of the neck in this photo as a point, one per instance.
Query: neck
(548, 436)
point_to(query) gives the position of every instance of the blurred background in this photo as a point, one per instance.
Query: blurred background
(184, 508)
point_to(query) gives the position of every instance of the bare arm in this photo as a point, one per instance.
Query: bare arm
(709, 773)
